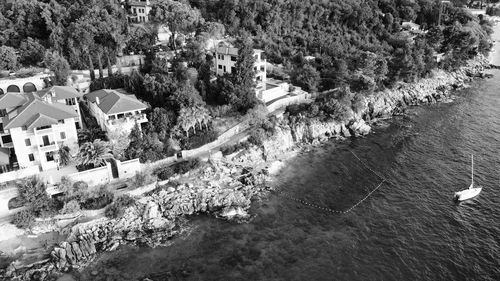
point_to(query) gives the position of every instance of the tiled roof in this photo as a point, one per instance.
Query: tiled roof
(227, 50)
(10, 100)
(139, 3)
(34, 107)
(61, 92)
(40, 120)
(113, 102)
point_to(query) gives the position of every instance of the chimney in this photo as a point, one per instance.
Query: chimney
(97, 101)
(53, 93)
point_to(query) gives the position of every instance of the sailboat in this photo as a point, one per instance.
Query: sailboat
(471, 191)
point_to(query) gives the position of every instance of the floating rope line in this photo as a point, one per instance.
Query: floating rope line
(368, 167)
(288, 196)
(312, 205)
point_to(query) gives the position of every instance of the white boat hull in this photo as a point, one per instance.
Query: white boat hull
(468, 193)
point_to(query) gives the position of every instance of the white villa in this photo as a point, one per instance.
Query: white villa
(225, 61)
(116, 111)
(139, 11)
(64, 95)
(225, 57)
(32, 129)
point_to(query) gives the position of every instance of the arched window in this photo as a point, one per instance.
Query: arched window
(1, 92)
(13, 89)
(29, 87)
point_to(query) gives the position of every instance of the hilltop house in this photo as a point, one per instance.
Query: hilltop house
(225, 57)
(116, 111)
(138, 10)
(32, 129)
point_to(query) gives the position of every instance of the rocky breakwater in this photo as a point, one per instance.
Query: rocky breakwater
(220, 189)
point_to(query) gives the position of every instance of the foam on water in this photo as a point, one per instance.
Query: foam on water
(410, 229)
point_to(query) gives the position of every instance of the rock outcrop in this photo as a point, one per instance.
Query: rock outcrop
(227, 192)
(382, 104)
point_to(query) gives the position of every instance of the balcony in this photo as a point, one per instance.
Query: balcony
(52, 146)
(43, 131)
(139, 118)
(8, 145)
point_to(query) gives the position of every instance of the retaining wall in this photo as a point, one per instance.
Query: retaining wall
(95, 176)
(128, 169)
(19, 174)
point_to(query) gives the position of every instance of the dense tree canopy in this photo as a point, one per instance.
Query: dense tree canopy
(76, 29)
(354, 42)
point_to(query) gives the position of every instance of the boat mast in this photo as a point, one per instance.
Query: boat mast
(472, 171)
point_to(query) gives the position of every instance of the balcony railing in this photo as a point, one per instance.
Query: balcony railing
(48, 147)
(132, 118)
(43, 131)
(8, 144)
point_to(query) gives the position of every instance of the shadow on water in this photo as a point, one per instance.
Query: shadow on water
(409, 229)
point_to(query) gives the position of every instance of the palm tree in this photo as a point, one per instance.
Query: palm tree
(91, 134)
(64, 155)
(186, 120)
(94, 153)
(203, 116)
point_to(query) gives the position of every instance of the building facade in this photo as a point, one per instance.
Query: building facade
(64, 95)
(23, 85)
(32, 130)
(225, 58)
(116, 111)
(138, 11)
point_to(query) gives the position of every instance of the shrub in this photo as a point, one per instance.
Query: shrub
(97, 199)
(199, 139)
(32, 192)
(24, 219)
(117, 209)
(186, 166)
(295, 109)
(257, 136)
(73, 190)
(230, 149)
(164, 173)
(143, 178)
(70, 207)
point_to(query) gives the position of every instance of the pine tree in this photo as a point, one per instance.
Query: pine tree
(243, 78)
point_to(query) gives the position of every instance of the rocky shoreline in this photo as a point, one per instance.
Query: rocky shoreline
(388, 103)
(221, 189)
(227, 189)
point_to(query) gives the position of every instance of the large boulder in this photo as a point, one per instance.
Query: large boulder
(360, 128)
